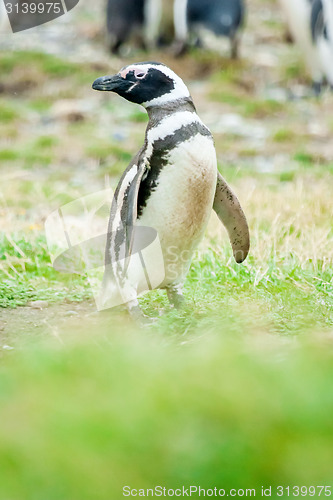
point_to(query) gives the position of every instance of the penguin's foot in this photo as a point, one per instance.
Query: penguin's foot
(114, 43)
(234, 47)
(179, 48)
(317, 87)
(175, 295)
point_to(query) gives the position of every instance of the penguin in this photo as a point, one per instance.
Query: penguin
(221, 17)
(322, 35)
(125, 18)
(149, 21)
(171, 184)
(298, 15)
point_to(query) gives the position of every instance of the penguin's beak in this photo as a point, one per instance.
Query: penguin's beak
(110, 83)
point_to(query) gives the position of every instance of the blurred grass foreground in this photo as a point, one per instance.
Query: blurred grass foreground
(86, 419)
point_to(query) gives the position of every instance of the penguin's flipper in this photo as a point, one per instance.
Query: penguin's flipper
(132, 210)
(123, 214)
(230, 213)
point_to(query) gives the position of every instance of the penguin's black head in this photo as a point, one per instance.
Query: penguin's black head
(147, 83)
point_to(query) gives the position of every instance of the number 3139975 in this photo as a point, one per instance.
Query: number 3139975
(33, 8)
(303, 491)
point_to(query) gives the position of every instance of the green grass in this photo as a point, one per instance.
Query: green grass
(9, 155)
(30, 69)
(261, 108)
(28, 156)
(231, 72)
(284, 135)
(46, 141)
(225, 96)
(139, 116)
(40, 104)
(293, 67)
(304, 158)
(26, 274)
(8, 113)
(245, 104)
(105, 149)
(48, 64)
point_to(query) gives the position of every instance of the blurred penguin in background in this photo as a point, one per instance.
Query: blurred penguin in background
(197, 18)
(125, 20)
(141, 23)
(4, 21)
(159, 23)
(322, 36)
(298, 15)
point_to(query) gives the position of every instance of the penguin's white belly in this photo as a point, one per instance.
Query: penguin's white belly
(180, 205)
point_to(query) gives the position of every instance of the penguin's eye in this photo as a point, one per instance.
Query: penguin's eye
(138, 73)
